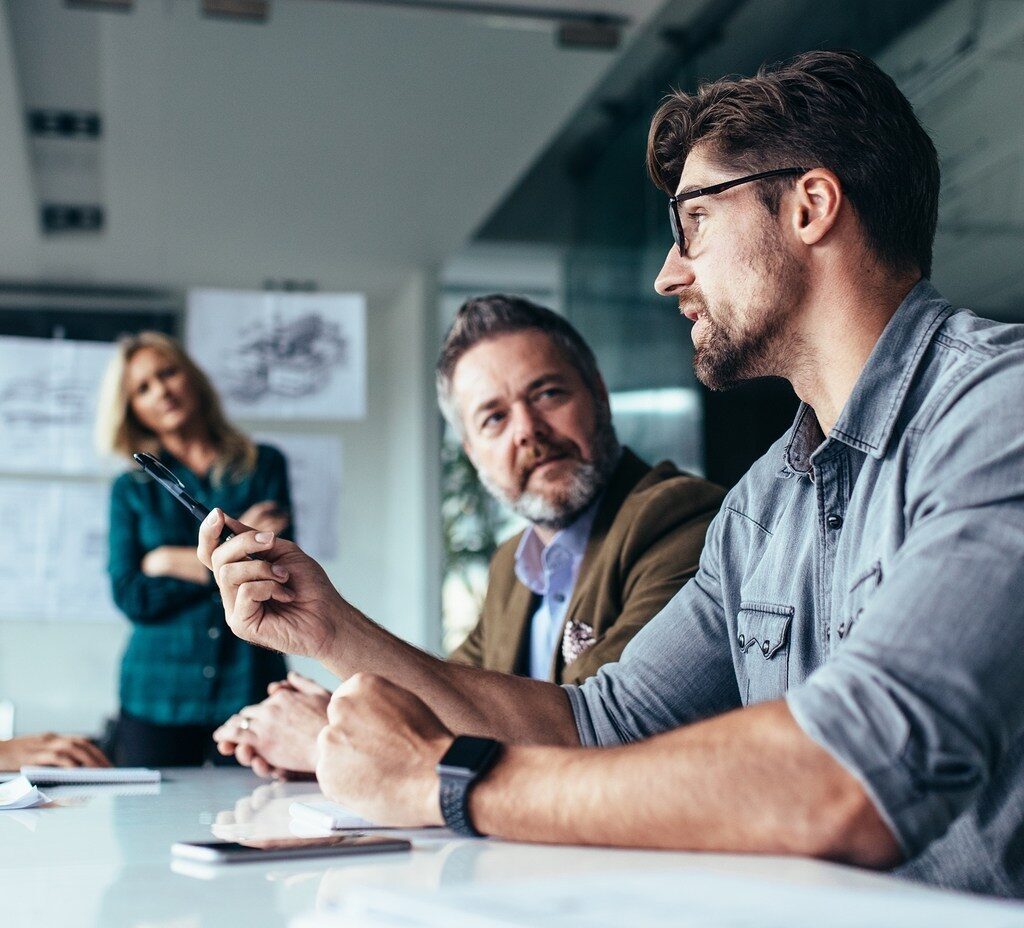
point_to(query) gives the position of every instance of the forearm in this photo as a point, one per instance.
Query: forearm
(180, 563)
(467, 699)
(748, 781)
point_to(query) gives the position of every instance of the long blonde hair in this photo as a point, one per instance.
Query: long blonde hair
(119, 431)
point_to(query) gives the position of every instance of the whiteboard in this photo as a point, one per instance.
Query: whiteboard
(48, 394)
(53, 551)
(314, 474)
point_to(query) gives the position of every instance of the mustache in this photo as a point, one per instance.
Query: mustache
(540, 452)
(693, 301)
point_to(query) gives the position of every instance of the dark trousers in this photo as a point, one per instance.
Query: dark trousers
(139, 743)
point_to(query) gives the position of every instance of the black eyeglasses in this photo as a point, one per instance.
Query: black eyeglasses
(678, 231)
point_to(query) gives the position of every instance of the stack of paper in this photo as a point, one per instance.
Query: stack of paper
(19, 793)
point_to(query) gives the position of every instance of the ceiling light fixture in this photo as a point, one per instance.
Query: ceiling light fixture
(574, 28)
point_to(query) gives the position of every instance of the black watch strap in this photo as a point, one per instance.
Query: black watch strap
(466, 761)
(455, 806)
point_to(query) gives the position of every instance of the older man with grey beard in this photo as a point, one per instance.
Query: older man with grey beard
(610, 540)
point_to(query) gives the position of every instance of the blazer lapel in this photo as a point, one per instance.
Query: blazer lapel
(509, 649)
(630, 471)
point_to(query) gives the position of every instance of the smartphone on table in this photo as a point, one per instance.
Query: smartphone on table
(229, 852)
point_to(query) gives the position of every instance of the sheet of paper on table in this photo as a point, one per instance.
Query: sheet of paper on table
(683, 899)
(19, 793)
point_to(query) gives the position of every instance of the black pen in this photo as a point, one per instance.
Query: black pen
(176, 488)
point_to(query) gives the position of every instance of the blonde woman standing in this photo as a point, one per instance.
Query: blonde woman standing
(182, 673)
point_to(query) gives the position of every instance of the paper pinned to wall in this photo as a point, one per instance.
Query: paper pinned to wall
(314, 472)
(48, 395)
(282, 355)
(53, 551)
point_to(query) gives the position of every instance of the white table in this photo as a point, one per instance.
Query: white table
(100, 856)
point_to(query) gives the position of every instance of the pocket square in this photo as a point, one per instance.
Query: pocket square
(578, 637)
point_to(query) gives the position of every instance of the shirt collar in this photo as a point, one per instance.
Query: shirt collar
(869, 416)
(532, 557)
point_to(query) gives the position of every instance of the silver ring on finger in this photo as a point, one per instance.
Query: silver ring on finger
(246, 723)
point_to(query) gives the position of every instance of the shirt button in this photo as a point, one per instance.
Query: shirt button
(559, 597)
(842, 629)
(742, 640)
(766, 647)
(834, 521)
(209, 672)
(214, 633)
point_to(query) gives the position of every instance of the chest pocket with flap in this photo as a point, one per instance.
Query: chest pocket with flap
(762, 633)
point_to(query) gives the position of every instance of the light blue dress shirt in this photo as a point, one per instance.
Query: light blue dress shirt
(874, 579)
(551, 573)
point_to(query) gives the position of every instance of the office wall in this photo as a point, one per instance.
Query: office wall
(62, 674)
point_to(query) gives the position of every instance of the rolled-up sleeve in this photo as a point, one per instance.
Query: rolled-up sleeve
(924, 700)
(675, 671)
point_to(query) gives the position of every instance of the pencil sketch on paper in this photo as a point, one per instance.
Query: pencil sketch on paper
(286, 357)
(44, 400)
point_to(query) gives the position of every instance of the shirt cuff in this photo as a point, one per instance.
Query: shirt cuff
(582, 717)
(850, 734)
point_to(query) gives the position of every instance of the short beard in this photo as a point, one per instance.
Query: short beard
(726, 357)
(586, 482)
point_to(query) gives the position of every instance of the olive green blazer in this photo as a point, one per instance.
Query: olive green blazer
(644, 545)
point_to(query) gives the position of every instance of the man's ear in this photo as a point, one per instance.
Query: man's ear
(816, 205)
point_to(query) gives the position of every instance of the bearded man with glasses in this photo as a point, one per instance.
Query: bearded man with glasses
(841, 678)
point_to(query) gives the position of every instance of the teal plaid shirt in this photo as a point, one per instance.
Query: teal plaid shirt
(182, 665)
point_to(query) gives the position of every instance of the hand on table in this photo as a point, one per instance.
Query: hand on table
(378, 753)
(50, 750)
(266, 516)
(284, 601)
(277, 737)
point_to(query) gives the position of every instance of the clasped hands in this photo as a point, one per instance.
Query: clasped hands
(377, 750)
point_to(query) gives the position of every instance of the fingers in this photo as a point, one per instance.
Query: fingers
(250, 601)
(234, 574)
(304, 685)
(95, 757)
(209, 538)
(69, 751)
(239, 548)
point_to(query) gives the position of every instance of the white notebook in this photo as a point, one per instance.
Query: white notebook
(57, 776)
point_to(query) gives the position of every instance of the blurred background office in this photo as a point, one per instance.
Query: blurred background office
(227, 170)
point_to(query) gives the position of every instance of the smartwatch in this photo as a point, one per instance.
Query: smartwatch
(466, 761)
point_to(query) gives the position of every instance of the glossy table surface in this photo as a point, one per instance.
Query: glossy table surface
(100, 856)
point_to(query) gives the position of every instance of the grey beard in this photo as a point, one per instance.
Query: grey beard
(587, 482)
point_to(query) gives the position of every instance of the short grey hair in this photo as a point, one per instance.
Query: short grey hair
(487, 317)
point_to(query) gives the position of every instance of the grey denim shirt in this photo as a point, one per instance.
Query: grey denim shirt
(875, 580)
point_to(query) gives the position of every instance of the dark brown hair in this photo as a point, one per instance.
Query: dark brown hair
(836, 110)
(490, 316)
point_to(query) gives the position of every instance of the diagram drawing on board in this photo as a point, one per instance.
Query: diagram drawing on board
(44, 400)
(286, 358)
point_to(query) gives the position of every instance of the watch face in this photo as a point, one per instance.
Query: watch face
(469, 753)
